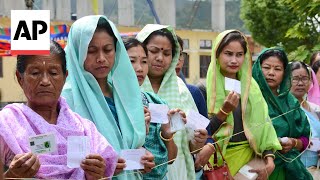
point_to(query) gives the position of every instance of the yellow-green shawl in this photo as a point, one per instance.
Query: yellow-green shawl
(256, 122)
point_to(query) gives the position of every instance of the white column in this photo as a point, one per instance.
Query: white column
(125, 12)
(63, 10)
(166, 10)
(218, 18)
(49, 5)
(84, 8)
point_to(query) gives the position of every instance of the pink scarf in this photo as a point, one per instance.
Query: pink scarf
(314, 91)
(18, 122)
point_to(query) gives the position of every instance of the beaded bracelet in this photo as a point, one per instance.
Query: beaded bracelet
(165, 138)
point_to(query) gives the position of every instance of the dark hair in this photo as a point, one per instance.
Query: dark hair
(232, 36)
(316, 66)
(132, 42)
(55, 49)
(313, 57)
(166, 33)
(275, 53)
(103, 25)
(180, 42)
(297, 65)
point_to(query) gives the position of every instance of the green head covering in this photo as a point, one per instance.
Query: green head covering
(256, 123)
(176, 94)
(292, 122)
(85, 97)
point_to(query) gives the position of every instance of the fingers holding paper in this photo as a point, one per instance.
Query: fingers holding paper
(231, 102)
(147, 118)
(200, 137)
(121, 164)
(94, 166)
(23, 165)
(148, 162)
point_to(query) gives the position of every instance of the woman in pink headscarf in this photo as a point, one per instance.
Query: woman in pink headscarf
(42, 78)
(314, 89)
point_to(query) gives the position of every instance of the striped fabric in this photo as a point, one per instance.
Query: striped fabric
(177, 95)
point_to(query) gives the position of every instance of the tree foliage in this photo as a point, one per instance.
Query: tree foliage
(292, 24)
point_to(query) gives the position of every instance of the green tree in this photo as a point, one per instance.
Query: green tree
(283, 23)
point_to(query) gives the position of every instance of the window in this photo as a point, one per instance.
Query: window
(204, 64)
(1, 68)
(185, 43)
(185, 67)
(205, 44)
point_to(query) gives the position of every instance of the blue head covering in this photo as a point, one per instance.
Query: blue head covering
(85, 97)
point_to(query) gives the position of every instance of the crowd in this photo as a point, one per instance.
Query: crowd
(101, 86)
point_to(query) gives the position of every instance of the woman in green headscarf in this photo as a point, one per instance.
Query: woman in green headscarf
(240, 123)
(273, 74)
(102, 86)
(163, 55)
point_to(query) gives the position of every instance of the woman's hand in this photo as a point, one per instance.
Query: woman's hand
(147, 118)
(165, 128)
(231, 102)
(264, 173)
(23, 166)
(121, 164)
(148, 162)
(200, 138)
(94, 166)
(287, 146)
(203, 156)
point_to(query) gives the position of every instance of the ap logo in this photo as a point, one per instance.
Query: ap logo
(30, 32)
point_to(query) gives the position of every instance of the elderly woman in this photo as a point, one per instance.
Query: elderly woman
(42, 78)
(300, 83)
(273, 74)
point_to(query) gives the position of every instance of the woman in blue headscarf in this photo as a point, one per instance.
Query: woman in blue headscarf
(102, 86)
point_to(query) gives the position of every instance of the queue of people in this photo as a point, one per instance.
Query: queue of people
(101, 87)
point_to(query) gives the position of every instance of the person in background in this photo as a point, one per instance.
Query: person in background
(194, 90)
(314, 88)
(300, 82)
(314, 58)
(273, 74)
(241, 130)
(42, 77)
(163, 54)
(102, 87)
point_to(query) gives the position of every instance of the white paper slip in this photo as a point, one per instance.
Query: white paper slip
(232, 85)
(78, 147)
(133, 158)
(284, 139)
(245, 171)
(159, 113)
(196, 121)
(43, 143)
(315, 144)
(176, 123)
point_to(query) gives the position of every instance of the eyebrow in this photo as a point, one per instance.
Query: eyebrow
(160, 48)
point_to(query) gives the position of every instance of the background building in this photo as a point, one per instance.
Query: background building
(197, 22)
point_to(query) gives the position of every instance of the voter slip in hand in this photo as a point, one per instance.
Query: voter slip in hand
(133, 158)
(176, 122)
(232, 85)
(159, 113)
(78, 147)
(196, 121)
